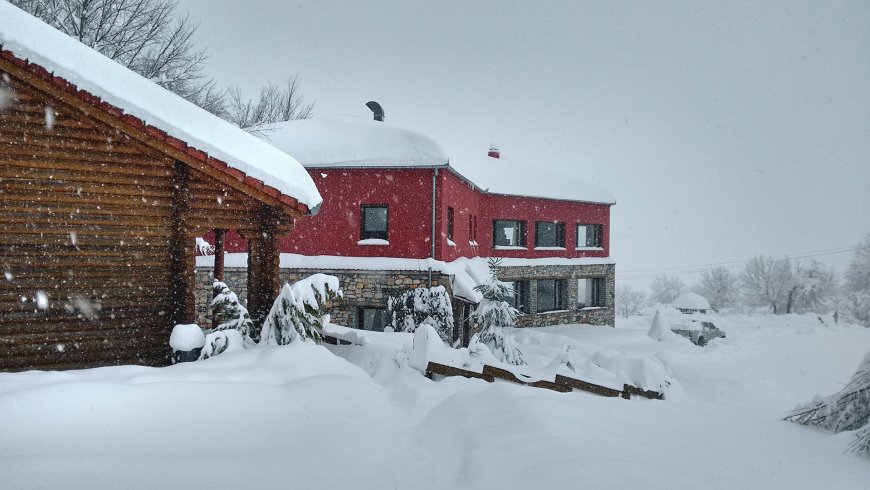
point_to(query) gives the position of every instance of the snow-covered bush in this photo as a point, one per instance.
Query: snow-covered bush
(298, 312)
(410, 309)
(186, 340)
(493, 314)
(221, 341)
(846, 410)
(230, 312)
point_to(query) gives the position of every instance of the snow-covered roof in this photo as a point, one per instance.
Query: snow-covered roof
(347, 141)
(31, 39)
(506, 175)
(691, 301)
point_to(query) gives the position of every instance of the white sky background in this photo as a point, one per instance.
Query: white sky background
(724, 130)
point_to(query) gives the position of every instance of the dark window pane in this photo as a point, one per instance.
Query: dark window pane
(508, 233)
(590, 292)
(549, 234)
(588, 235)
(373, 319)
(546, 295)
(375, 222)
(450, 223)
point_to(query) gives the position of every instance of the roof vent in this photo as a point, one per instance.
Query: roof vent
(376, 109)
(494, 152)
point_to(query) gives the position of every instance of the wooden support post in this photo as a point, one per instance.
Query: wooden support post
(219, 254)
(264, 281)
(182, 260)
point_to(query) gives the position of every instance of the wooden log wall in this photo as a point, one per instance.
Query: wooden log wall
(87, 224)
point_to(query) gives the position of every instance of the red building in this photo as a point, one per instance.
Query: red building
(393, 193)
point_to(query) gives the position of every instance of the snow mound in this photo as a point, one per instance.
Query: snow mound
(660, 328)
(691, 301)
(29, 38)
(346, 141)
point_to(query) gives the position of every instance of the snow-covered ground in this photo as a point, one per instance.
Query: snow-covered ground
(301, 417)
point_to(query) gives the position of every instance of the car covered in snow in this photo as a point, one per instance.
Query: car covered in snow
(699, 330)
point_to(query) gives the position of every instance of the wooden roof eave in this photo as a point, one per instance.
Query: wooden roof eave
(152, 137)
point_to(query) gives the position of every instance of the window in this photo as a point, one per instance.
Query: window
(371, 318)
(590, 292)
(470, 228)
(508, 233)
(375, 222)
(450, 223)
(588, 235)
(551, 294)
(474, 227)
(520, 298)
(549, 234)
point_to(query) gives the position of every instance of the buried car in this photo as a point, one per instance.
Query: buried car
(699, 331)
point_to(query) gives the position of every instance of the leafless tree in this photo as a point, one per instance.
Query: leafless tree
(275, 104)
(148, 37)
(814, 287)
(857, 301)
(629, 301)
(719, 286)
(665, 289)
(766, 281)
(143, 35)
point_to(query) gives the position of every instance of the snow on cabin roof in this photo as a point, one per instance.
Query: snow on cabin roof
(29, 38)
(347, 141)
(691, 301)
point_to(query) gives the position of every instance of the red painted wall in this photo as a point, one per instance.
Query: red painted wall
(336, 230)
(488, 207)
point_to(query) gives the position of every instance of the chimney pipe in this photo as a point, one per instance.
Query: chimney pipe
(494, 152)
(376, 109)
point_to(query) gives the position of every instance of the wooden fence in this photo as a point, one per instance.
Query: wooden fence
(561, 383)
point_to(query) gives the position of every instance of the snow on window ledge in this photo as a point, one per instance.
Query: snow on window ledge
(591, 249)
(508, 247)
(552, 311)
(373, 241)
(586, 308)
(451, 243)
(549, 248)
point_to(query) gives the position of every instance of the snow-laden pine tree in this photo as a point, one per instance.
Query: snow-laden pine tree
(227, 309)
(410, 309)
(493, 314)
(846, 410)
(298, 312)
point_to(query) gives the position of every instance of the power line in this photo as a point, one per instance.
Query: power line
(694, 269)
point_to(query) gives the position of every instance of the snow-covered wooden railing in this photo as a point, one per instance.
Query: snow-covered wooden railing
(561, 383)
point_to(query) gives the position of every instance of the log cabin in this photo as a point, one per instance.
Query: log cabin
(106, 179)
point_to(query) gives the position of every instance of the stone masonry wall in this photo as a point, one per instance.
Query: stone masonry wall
(361, 288)
(370, 289)
(572, 314)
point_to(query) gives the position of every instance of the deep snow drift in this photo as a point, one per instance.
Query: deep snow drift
(299, 416)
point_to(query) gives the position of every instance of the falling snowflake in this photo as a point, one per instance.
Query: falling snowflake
(41, 300)
(49, 117)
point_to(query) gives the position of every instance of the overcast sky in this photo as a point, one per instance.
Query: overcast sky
(725, 130)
